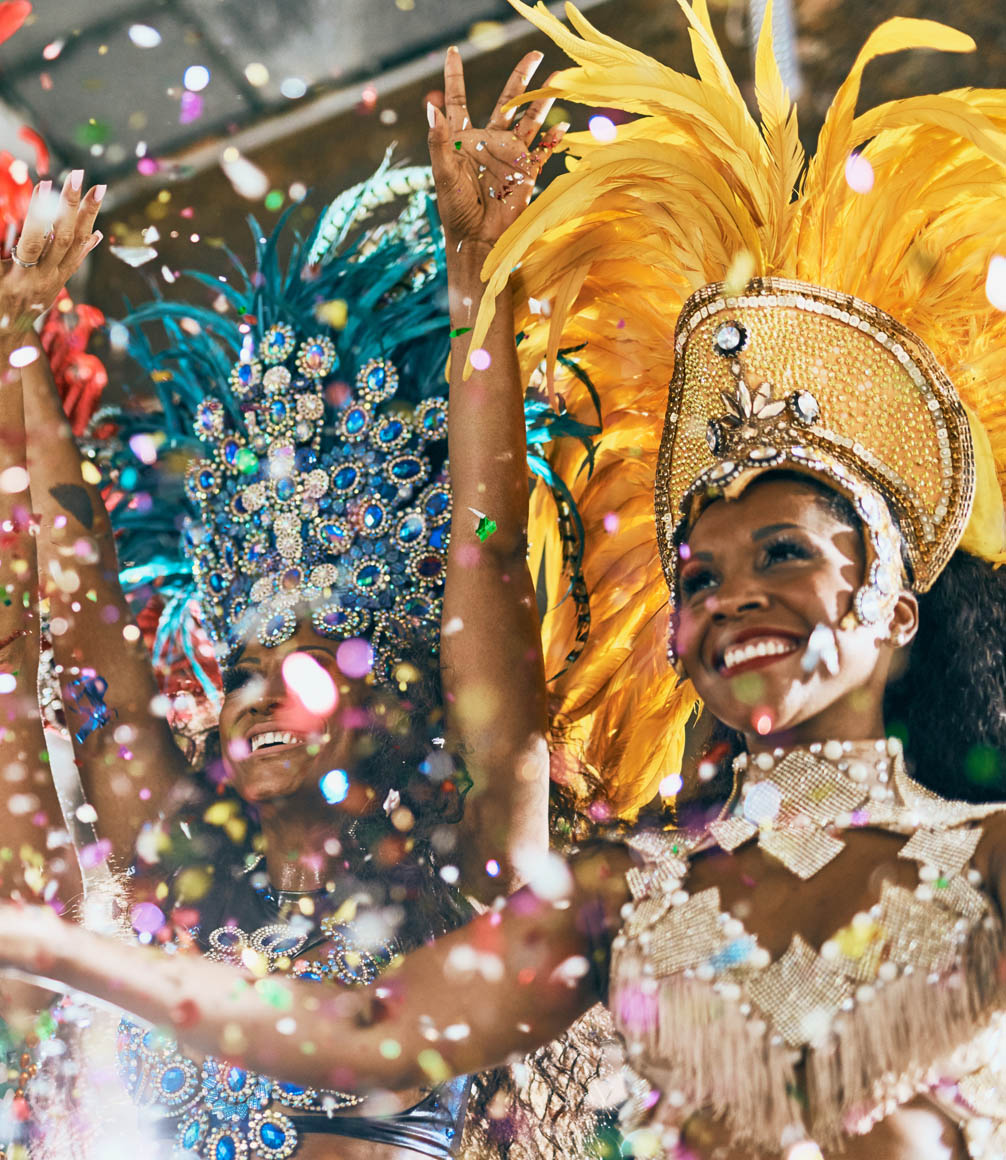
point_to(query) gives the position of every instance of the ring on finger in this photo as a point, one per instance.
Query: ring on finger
(20, 261)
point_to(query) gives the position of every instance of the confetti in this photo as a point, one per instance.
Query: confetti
(670, 786)
(762, 802)
(245, 176)
(355, 657)
(196, 78)
(334, 786)
(458, 331)
(308, 681)
(13, 480)
(763, 723)
(858, 173)
(995, 282)
(146, 918)
(485, 528)
(95, 854)
(335, 313)
(134, 255)
(144, 36)
(822, 649)
(480, 359)
(493, 868)
(602, 128)
(293, 88)
(256, 74)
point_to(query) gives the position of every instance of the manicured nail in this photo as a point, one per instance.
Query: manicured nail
(99, 192)
(454, 48)
(431, 113)
(44, 187)
(562, 127)
(76, 179)
(94, 240)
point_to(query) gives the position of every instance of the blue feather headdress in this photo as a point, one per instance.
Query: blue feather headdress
(300, 441)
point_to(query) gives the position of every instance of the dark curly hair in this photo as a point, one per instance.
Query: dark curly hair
(949, 705)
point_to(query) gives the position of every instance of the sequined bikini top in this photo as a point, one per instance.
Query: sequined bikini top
(218, 1111)
(851, 1026)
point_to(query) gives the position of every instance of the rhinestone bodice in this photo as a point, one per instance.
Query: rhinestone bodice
(220, 1111)
(714, 1018)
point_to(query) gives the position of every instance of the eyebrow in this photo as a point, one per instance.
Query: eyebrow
(761, 534)
(307, 648)
(771, 529)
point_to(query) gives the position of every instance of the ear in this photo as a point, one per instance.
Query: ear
(904, 623)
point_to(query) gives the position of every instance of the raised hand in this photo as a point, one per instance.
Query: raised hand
(485, 177)
(55, 240)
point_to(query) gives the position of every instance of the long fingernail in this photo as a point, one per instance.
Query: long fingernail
(44, 187)
(95, 239)
(562, 127)
(99, 192)
(76, 179)
(431, 113)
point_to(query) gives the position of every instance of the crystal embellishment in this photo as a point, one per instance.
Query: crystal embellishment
(730, 338)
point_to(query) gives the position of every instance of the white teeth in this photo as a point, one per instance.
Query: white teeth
(769, 646)
(274, 738)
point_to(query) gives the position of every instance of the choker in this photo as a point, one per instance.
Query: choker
(797, 802)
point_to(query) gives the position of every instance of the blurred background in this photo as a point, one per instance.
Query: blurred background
(199, 112)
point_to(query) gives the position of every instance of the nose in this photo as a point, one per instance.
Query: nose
(727, 603)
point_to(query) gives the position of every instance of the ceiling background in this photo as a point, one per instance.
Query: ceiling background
(149, 95)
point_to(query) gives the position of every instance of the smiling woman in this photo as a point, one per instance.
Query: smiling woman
(327, 831)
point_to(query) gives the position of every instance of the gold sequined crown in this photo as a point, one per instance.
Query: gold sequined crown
(789, 375)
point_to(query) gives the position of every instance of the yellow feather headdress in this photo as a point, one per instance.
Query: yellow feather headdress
(695, 191)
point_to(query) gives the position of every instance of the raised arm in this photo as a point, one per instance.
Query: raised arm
(122, 748)
(31, 822)
(493, 672)
(505, 984)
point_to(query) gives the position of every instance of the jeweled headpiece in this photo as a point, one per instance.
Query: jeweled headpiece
(790, 376)
(801, 323)
(311, 429)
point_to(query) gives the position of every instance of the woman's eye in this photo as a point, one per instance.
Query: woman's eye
(695, 582)
(234, 679)
(780, 551)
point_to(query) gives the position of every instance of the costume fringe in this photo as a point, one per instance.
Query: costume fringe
(873, 1058)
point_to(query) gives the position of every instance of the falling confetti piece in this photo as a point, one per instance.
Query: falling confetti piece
(480, 359)
(143, 36)
(95, 854)
(134, 255)
(670, 786)
(24, 356)
(995, 282)
(196, 78)
(859, 173)
(245, 176)
(335, 313)
(355, 657)
(458, 331)
(308, 681)
(485, 528)
(334, 786)
(602, 128)
(146, 918)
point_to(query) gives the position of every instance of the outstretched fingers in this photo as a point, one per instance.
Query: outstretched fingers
(31, 243)
(534, 116)
(84, 237)
(455, 99)
(517, 82)
(65, 219)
